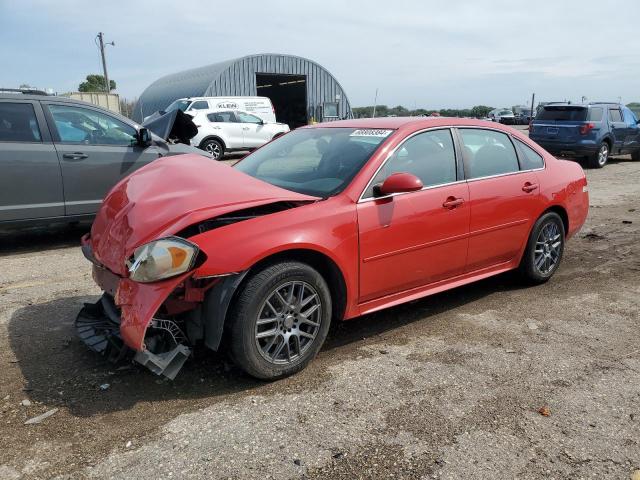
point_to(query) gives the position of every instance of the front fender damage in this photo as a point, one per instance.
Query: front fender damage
(156, 324)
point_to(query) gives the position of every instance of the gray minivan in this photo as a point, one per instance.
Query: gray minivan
(59, 157)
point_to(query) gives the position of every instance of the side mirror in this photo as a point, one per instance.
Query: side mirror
(398, 183)
(144, 137)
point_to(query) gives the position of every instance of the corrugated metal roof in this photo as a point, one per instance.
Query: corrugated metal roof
(237, 77)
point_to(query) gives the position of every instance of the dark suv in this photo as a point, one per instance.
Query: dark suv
(59, 157)
(594, 131)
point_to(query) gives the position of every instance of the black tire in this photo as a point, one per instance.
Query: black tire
(530, 270)
(246, 350)
(600, 157)
(635, 156)
(214, 148)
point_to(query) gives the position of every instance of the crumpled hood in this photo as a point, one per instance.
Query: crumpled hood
(168, 195)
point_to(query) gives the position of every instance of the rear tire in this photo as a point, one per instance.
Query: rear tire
(544, 251)
(635, 156)
(214, 148)
(599, 159)
(272, 333)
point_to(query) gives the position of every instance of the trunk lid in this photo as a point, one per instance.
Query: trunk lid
(168, 195)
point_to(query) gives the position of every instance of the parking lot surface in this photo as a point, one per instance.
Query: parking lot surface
(492, 380)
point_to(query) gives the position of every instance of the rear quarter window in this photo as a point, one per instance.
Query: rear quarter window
(530, 159)
(595, 114)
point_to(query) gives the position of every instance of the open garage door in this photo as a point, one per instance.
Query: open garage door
(288, 93)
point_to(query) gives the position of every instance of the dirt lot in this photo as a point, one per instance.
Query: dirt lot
(448, 387)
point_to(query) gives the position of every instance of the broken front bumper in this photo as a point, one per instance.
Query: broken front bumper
(98, 326)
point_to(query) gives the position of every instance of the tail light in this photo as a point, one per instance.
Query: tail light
(531, 125)
(586, 128)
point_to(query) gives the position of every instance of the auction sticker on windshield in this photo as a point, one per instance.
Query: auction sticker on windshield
(371, 133)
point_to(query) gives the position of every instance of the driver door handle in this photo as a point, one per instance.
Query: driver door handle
(529, 187)
(452, 202)
(75, 156)
(245, 128)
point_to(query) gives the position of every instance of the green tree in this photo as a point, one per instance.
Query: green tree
(95, 83)
(480, 111)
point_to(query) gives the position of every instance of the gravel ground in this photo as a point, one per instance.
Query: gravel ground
(491, 380)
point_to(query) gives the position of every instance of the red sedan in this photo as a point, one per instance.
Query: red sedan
(326, 223)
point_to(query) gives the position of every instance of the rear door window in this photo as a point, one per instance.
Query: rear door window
(488, 153)
(595, 114)
(615, 115)
(18, 123)
(222, 117)
(530, 159)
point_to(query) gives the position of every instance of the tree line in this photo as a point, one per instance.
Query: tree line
(479, 111)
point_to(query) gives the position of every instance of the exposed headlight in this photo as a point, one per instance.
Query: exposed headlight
(162, 259)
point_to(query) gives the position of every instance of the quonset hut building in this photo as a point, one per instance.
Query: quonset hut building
(300, 90)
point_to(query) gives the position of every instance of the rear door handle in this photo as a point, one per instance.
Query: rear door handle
(529, 187)
(245, 128)
(452, 202)
(75, 156)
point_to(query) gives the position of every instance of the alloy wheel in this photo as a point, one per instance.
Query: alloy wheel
(603, 154)
(288, 322)
(213, 149)
(548, 248)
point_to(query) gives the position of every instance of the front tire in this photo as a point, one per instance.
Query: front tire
(280, 320)
(544, 250)
(635, 156)
(214, 148)
(599, 159)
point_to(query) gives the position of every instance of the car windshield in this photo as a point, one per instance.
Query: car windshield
(178, 105)
(563, 113)
(314, 161)
(506, 112)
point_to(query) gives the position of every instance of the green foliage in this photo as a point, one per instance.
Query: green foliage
(479, 111)
(95, 83)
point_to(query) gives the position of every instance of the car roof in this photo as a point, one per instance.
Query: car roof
(61, 99)
(57, 98)
(583, 105)
(396, 123)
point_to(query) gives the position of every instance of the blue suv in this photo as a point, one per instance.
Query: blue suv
(593, 130)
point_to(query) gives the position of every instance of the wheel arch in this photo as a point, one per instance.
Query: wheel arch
(562, 213)
(213, 137)
(220, 301)
(321, 262)
(608, 140)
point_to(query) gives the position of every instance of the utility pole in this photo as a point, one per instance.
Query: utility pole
(104, 61)
(375, 104)
(533, 99)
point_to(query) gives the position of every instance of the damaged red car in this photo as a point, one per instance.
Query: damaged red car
(324, 224)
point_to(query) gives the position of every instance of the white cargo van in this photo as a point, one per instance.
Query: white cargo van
(259, 106)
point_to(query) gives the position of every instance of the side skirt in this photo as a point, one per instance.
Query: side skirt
(433, 288)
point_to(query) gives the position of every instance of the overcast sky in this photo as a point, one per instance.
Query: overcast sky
(426, 53)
